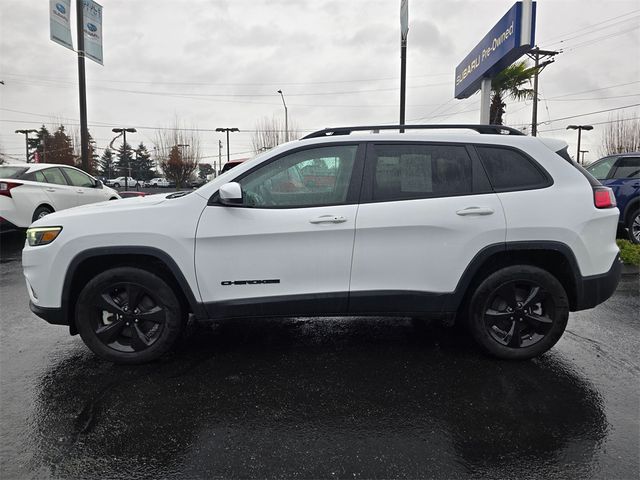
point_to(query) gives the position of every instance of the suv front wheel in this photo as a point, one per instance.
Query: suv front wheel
(518, 312)
(128, 315)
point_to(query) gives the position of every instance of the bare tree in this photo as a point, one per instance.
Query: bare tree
(178, 152)
(622, 135)
(270, 132)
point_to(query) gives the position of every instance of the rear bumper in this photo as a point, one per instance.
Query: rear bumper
(54, 316)
(596, 289)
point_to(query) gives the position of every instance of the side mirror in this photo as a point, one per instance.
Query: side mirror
(98, 184)
(230, 194)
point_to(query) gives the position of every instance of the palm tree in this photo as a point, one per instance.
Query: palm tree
(509, 83)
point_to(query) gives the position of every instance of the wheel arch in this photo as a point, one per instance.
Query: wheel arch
(44, 204)
(632, 206)
(554, 257)
(90, 262)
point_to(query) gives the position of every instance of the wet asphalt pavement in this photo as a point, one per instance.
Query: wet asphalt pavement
(319, 398)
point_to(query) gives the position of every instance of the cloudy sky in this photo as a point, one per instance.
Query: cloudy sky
(217, 63)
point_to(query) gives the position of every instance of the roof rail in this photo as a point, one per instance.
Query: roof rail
(484, 129)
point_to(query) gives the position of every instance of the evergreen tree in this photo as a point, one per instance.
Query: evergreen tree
(142, 166)
(60, 150)
(42, 143)
(125, 160)
(106, 164)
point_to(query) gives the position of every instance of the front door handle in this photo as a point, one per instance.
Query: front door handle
(51, 190)
(475, 211)
(328, 219)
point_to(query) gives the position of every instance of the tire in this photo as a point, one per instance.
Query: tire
(518, 312)
(116, 185)
(40, 212)
(633, 227)
(115, 332)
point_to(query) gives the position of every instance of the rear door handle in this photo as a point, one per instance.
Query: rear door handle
(328, 219)
(475, 211)
(80, 191)
(51, 189)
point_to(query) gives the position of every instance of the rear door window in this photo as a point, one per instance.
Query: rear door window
(509, 169)
(413, 171)
(54, 175)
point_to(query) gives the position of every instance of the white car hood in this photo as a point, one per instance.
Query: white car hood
(111, 206)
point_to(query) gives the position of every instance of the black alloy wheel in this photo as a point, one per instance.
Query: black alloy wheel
(128, 315)
(518, 312)
(131, 318)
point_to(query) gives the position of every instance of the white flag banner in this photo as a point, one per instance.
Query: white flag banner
(60, 23)
(93, 31)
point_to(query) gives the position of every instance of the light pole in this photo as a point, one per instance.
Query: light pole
(123, 132)
(583, 152)
(579, 128)
(233, 129)
(26, 141)
(286, 118)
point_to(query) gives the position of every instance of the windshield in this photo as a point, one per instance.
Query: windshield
(12, 172)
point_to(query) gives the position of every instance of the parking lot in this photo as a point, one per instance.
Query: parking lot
(319, 398)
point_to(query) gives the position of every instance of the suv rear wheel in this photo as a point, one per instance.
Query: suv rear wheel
(518, 312)
(128, 315)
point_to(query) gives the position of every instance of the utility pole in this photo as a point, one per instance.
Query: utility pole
(404, 31)
(219, 157)
(233, 129)
(536, 54)
(26, 141)
(82, 84)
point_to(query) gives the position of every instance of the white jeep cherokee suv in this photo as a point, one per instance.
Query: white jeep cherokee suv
(495, 230)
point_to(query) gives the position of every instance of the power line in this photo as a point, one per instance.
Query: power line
(599, 39)
(596, 123)
(589, 27)
(584, 114)
(591, 30)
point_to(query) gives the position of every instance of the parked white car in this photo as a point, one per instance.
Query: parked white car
(503, 233)
(29, 192)
(160, 182)
(120, 182)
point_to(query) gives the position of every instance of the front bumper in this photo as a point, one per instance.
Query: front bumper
(596, 289)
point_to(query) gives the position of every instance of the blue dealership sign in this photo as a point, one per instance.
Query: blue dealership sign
(508, 40)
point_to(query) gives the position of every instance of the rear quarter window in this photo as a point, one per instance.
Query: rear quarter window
(509, 169)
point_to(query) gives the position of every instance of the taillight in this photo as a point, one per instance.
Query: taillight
(603, 197)
(5, 188)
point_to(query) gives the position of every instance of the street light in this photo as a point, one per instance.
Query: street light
(583, 152)
(220, 129)
(26, 140)
(123, 132)
(286, 118)
(579, 128)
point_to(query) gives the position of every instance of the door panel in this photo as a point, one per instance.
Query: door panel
(61, 194)
(428, 210)
(288, 249)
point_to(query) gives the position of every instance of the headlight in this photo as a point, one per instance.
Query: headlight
(42, 235)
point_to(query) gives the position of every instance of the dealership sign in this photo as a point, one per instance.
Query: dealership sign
(59, 22)
(93, 31)
(508, 40)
